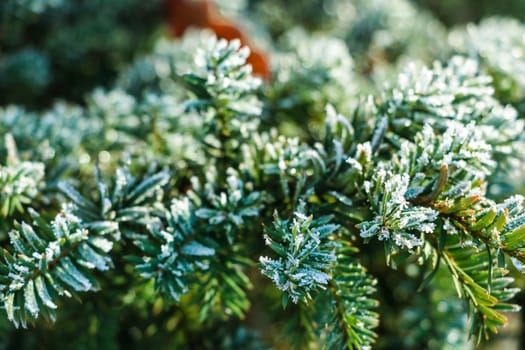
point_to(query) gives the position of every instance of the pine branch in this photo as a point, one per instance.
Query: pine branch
(190, 246)
(20, 181)
(232, 210)
(480, 280)
(130, 200)
(49, 261)
(225, 287)
(440, 199)
(306, 255)
(172, 254)
(409, 167)
(224, 94)
(313, 264)
(353, 316)
(457, 92)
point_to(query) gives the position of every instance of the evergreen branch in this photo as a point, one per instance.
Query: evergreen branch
(414, 167)
(19, 184)
(46, 261)
(176, 258)
(312, 261)
(225, 287)
(20, 181)
(128, 200)
(499, 226)
(433, 192)
(305, 255)
(351, 290)
(172, 254)
(225, 96)
(232, 210)
(480, 280)
(457, 92)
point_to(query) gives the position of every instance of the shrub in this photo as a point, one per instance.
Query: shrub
(193, 205)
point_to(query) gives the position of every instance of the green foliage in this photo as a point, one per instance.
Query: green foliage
(353, 288)
(432, 193)
(305, 256)
(211, 209)
(435, 317)
(20, 182)
(175, 262)
(49, 260)
(324, 67)
(40, 58)
(224, 93)
(485, 45)
(316, 267)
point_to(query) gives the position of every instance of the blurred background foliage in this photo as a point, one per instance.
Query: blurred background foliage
(62, 57)
(452, 12)
(62, 49)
